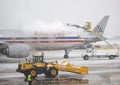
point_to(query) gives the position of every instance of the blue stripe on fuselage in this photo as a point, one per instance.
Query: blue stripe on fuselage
(27, 38)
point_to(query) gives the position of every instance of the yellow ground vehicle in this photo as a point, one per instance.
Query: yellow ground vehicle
(66, 66)
(38, 66)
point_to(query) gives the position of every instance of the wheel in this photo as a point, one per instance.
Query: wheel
(51, 73)
(33, 73)
(86, 57)
(46, 73)
(66, 56)
(111, 57)
(26, 74)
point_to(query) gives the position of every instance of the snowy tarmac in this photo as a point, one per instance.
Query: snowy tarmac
(102, 71)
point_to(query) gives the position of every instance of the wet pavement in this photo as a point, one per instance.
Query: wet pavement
(67, 79)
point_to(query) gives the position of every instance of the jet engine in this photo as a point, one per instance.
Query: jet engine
(17, 51)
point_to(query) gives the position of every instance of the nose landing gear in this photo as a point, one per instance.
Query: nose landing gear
(66, 54)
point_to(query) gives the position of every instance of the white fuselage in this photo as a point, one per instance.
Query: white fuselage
(46, 40)
(41, 43)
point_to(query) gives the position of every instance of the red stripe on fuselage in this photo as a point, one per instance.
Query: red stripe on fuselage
(43, 41)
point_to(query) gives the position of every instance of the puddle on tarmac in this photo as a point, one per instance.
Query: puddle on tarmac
(59, 82)
(67, 79)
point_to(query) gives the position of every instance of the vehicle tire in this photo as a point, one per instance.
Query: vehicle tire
(33, 73)
(86, 57)
(46, 73)
(26, 74)
(52, 72)
(111, 57)
(66, 56)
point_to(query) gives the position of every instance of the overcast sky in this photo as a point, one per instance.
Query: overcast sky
(14, 14)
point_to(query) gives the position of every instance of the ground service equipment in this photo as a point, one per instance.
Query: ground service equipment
(50, 69)
(100, 51)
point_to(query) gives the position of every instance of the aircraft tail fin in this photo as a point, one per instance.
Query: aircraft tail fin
(100, 27)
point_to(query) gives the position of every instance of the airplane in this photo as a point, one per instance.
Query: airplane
(16, 44)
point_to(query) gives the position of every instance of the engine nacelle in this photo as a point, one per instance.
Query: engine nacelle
(17, 51)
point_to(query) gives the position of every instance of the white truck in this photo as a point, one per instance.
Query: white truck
(100, 52)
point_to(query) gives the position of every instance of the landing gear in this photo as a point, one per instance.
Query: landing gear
(66, 54)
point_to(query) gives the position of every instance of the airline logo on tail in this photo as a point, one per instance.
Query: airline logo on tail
(98, 29)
